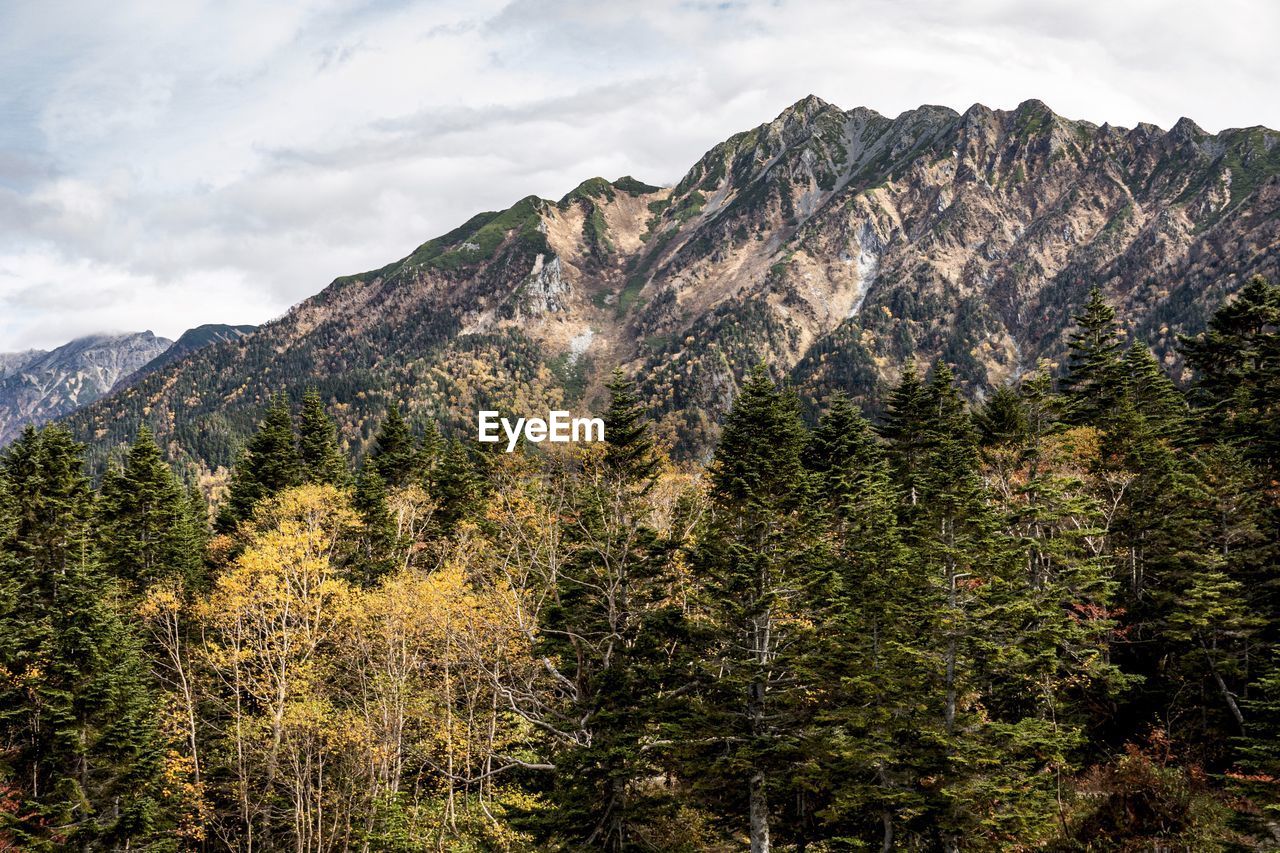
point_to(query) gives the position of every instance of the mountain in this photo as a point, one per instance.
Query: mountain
(40, 386)
(187, 343)
(833, 244)
(12, 362)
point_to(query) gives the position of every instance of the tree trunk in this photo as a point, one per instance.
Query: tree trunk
(759, 814)
(1222, 687)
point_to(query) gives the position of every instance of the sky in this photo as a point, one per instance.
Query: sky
(165, 164)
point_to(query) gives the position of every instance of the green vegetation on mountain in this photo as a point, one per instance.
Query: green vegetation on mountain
(1046, 621)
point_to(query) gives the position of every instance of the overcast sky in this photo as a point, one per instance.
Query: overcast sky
(165, 164)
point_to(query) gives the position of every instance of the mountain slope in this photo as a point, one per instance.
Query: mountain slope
(52, 384)
(187, 343)
(833, 244)
(12, 362)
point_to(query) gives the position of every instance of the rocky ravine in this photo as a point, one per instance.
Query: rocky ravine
(833, 244)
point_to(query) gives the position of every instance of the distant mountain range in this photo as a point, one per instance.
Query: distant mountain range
(38, 386)
(833, 244)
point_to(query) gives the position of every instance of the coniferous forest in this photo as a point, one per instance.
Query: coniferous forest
(1046, 620)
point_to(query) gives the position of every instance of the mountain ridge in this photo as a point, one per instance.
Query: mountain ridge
(832, 244)
(51, 384)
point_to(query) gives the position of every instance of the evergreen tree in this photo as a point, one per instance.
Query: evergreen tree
(761, 560)
(859, 746)
(269, 465)
(629, 445)
(83, 757)
(1153, 394)
(840, 450)
(906, 414)
(1237, 369)
(321, 459)
(978, 741)
(608, 628)
(395, 454)
(1094, 374)
(457, 487)
(375, 555)
(147, 531)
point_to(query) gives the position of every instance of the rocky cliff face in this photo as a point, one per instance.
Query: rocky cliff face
(49, 385)
(833, 244)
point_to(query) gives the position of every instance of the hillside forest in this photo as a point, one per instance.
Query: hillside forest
(1046, 620)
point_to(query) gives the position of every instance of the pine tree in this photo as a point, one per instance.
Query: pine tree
(83, 752)
(145, 518)
(269, 465)
(762, 563)
(1094, 373)
(322, 461)
(395, 454)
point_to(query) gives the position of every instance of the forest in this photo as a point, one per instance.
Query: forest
(1046, 620)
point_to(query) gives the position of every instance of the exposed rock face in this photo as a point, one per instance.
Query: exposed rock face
(12, 362)
(833, 244)
(54, 383)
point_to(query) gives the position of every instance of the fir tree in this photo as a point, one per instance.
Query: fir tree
(145, 518)
(906, 414)
(1094, 377)
(83, 753)
(268, 465)
(395, 454)
(375, 555)
(321, 459)
(763, 569)
(1153, 394)
(609, 627)
(629, 452)
(1237, 369)
(457, 487)
(858, 747)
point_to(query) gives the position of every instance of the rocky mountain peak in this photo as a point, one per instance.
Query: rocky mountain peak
(72, 375)
(831, 244)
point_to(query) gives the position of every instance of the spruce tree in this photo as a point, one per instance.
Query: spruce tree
(1237, 373)
(457, 487)
(269, 465)
(83, 754)
(859, 747)
(1153, 394)
(321, 459)
(841, 448)
(906, 415)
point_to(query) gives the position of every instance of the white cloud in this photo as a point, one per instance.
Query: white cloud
(168, 164)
